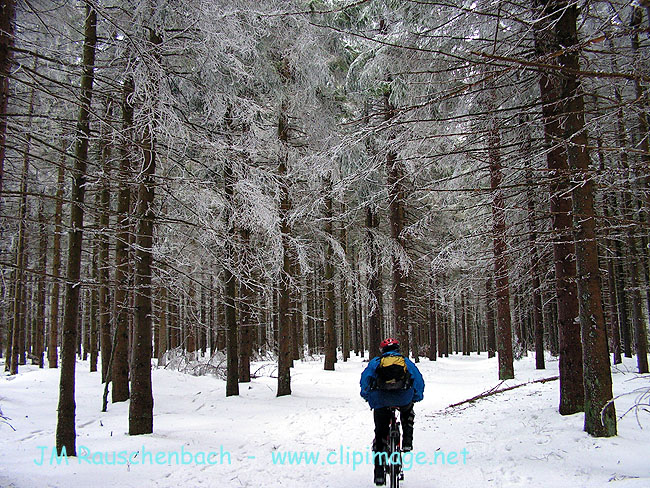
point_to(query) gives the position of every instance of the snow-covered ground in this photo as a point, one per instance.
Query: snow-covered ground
(513, 439)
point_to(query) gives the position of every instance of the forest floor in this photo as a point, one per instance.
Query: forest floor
(511, 439)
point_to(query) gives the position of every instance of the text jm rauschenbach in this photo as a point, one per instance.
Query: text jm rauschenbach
(342, 456)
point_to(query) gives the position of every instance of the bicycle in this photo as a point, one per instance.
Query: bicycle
(393, 466)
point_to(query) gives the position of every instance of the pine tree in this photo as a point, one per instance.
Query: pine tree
(553, 95)
(7, 19)
(65, 427)
(120, 363)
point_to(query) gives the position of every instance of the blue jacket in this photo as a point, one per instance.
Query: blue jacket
(393, 398)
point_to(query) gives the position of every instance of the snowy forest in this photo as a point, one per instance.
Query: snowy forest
(228, 191)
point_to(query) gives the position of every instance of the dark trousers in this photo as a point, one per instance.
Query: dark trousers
(382, 425)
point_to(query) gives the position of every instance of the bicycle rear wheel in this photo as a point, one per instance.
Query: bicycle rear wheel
(395, 461)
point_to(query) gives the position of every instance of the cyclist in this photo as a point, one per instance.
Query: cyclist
(391, 380)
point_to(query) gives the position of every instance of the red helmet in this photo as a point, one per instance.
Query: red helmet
(389, 344)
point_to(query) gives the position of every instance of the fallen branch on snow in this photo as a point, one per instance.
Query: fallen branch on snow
(495, 390)
(5, 420)
(641, 404)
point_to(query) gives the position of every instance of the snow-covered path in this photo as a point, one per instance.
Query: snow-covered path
(510, 439)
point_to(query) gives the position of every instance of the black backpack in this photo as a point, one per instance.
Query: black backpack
(392, 373)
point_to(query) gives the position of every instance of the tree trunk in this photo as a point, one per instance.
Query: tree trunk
(457, 328)
(570, 108)
(311, 322)
(621, 299)
(19, 323)
(330, 334)
(174, 323)
(141, 405)
(284, 292)
(274, 315)
(613, 310)
(552, 88)
(619, 266)
(246, 327)
(463, 325)
(298, 317)
(162, 326)
(120, 369)
(345, 300)
(643, 135)
(85, 312)
(442, 346)
(7, 16)
(92, 303)
(597, 374)
(52, 350)
(104, 309)
(600, 416)
(447, 335)
(212, 317)
(232, 333)
(640, 331)
(284, 315)
(433, 323)
(190, 322)
(5, 322)
(610, 205)
(354, 298)
(92, 306)
(41, 294)
(414, 325)
(202, 319)
(397, 199)
(360, 328)
(374, 288)
(553, 326)
(65, 427)
(247, 330)
(504, 327)
(26, 304)
(538, 322)
(632, 266)
(293, 305)
(23, 330)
